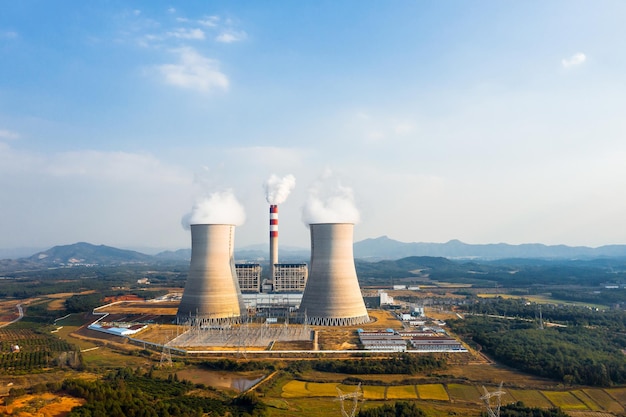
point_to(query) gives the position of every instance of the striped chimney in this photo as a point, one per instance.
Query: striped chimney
(273, 239)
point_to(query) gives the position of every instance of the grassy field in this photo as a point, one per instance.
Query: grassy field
(603, 398)
(461, 392)
(531, 398)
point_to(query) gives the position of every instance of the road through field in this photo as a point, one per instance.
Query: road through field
(20, 312)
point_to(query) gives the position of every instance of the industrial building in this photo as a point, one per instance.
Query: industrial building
(332, 296)
(249, 277)
(436, 344)
(212, 290)
(290, 277)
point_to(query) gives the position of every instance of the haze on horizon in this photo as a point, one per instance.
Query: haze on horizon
(485, 122)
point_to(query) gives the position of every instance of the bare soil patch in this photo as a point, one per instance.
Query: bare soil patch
(44, 405)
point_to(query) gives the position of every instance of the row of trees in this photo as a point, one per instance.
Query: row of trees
(397, 364)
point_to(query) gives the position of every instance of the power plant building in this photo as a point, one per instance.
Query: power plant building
(332, 296)
(249, 277)
(290, 277)
(212, 290)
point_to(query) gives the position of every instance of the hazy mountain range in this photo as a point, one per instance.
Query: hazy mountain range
(381, 248)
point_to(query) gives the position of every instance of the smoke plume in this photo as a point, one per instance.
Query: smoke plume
(277, 189)
(218, 208)
(330, 202)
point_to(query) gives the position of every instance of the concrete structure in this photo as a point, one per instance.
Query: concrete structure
(212, 291)
(249, 277)
(332, 296)
(290, 277)
(436, 344)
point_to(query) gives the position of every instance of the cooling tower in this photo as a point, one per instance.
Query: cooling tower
(332, 296)
(273, 240)
(212, 291)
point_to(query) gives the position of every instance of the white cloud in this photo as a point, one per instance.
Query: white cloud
(231, 36)
(183, 33)
(171, 10)
(194, 71)
(136, 12)
(209, 21)
(574, 60)
(7, 134)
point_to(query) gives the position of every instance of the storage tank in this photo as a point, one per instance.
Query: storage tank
(212, 291)
(332, 296)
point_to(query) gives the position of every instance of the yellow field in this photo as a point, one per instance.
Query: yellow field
(374, 392)
(432, 392)
(322, 389)
(295, 389)
(565, 400)
(401, 392)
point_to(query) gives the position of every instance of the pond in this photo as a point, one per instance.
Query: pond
(220, 379)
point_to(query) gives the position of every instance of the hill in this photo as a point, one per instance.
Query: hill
(386, 248)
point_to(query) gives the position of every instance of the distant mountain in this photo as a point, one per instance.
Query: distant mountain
(385, 248)
(87, 254)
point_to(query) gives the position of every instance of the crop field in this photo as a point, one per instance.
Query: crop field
(36, 350)
(460, 392)
(373, 392)
(401, 392)
(432, 392)
(531, 398)
(607, 402)
(295, 389)
(618, 393)
(565, 400)
(587, 400)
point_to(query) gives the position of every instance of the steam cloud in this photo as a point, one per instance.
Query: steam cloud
(330, 202)
(277, 189)
(218, 208)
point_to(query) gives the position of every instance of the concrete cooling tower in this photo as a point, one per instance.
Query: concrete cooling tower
(332, 296)
(212, 291)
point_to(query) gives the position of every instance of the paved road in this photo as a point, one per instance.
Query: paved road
(20, 312)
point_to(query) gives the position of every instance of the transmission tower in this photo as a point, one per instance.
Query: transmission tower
(493, 411)
(166, 357)
(354, 396)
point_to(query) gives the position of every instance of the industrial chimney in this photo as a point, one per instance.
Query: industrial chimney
(332, 296)
(212, 291)
(273, 240)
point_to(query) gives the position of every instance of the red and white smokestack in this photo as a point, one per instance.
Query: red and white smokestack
(273, 239)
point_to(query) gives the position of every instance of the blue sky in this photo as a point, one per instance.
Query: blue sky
(482, 121)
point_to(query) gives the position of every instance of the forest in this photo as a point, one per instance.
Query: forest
(587, 350)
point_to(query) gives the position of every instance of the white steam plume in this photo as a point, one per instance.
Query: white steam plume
(330, 202)
(277, 189)
(218, 208)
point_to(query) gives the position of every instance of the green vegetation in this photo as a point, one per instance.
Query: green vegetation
(520, 410)
(588, 350)
(236, 366)
(399, 364)
(399, 409)
(37, 352)
(134, 393)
